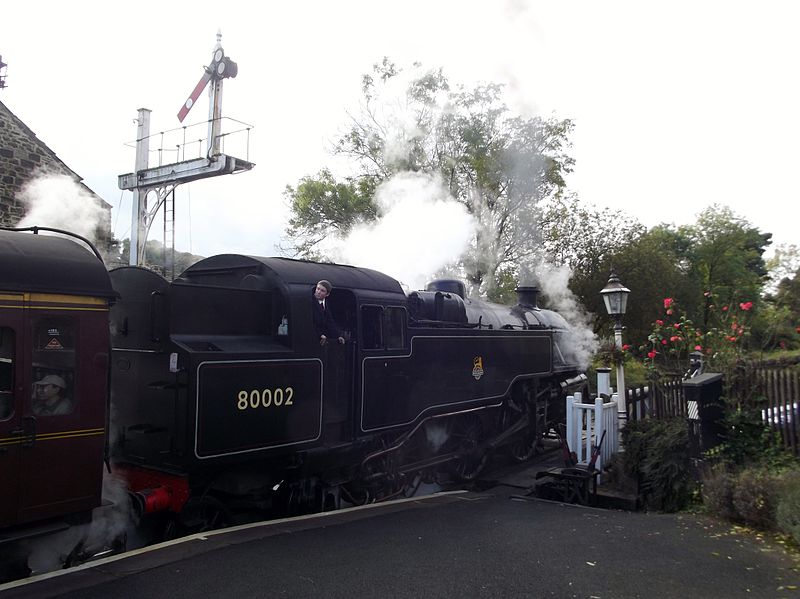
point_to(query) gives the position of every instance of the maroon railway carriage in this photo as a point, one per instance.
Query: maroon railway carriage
(54, 352)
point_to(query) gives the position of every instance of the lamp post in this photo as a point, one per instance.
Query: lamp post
(615, 297)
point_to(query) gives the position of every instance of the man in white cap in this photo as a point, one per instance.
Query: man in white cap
(49, 397)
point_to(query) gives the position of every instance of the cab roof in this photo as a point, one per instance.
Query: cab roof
(231, 269)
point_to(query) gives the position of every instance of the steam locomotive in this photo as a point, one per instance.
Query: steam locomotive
(211, 397)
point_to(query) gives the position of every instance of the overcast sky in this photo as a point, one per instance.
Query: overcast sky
(677, 105)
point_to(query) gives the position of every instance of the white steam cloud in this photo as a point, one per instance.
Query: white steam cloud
(421, 229)
(109, 527)
(59, 202)
(581, 342)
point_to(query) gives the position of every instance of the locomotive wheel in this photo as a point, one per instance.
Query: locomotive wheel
(526, 444)
(465, 437)
(201, 514)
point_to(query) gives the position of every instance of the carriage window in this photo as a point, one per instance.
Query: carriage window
(394, 324)
(7, 346)
(53, 366)
(371, 334)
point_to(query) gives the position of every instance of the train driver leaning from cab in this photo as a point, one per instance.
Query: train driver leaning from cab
(50, 397)
(324, 324)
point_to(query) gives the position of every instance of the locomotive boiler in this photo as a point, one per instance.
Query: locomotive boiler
(211, 397)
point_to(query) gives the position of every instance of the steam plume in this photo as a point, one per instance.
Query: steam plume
(421, 229)
(59, 202)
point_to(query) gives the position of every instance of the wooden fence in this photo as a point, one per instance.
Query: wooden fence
(781, 408)
(773, 389)
(661, 399)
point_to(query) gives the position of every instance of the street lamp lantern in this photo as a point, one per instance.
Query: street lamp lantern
(615, 297)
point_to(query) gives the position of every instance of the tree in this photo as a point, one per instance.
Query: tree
(726, 254)
(498, 165)
(779, 326)
(583, 236)
(321, 206)
(651, 266)
(156, 257)
(783, 264)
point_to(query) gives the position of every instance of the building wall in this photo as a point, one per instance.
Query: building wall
(23, 156)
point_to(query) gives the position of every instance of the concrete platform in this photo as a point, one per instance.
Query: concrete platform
(489, 544)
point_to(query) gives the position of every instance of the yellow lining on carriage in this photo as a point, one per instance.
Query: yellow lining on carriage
(50, 301)
(88, 432)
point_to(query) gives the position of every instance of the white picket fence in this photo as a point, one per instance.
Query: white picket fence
(586, 423)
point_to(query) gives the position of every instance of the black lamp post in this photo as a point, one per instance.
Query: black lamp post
(615, 297)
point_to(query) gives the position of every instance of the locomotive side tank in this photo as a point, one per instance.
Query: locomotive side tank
(222, 388)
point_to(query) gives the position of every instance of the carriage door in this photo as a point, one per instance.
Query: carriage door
(11, 392)
(60, 470)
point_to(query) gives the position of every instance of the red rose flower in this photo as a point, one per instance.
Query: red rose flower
(651, 354)
(667, 302)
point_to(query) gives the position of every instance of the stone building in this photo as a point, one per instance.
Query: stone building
(23, 157)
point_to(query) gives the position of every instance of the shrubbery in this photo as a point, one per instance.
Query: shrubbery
(756, 496)
(657, 455)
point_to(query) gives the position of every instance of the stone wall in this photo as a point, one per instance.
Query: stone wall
(23, 157)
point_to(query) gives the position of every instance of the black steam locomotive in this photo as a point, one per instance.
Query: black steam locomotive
(211, 396)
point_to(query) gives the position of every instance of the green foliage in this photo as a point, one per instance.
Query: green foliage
(156, 258)
(787, 512)
(716, 262)
(657, 453)
(779, 326)
(675, 336)
(718, 485)
(755, 497)
(747, 440)
(322, 206)
(499, 165)
(725, 254)
(751, 495)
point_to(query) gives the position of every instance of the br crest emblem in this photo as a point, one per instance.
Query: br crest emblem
(477, 367)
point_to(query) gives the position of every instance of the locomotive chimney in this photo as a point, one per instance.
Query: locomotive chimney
(528, 297)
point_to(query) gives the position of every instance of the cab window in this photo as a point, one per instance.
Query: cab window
(371, 330)
(383, 328)
(395, 326)
(53, 366)
(7, 345)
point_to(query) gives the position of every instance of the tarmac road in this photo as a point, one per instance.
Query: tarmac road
(492, 544)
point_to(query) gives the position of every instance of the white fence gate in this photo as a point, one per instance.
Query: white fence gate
(586, 425)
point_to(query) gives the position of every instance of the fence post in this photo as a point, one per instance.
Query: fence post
(570, 419)
(604, 381)
(599, 427)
